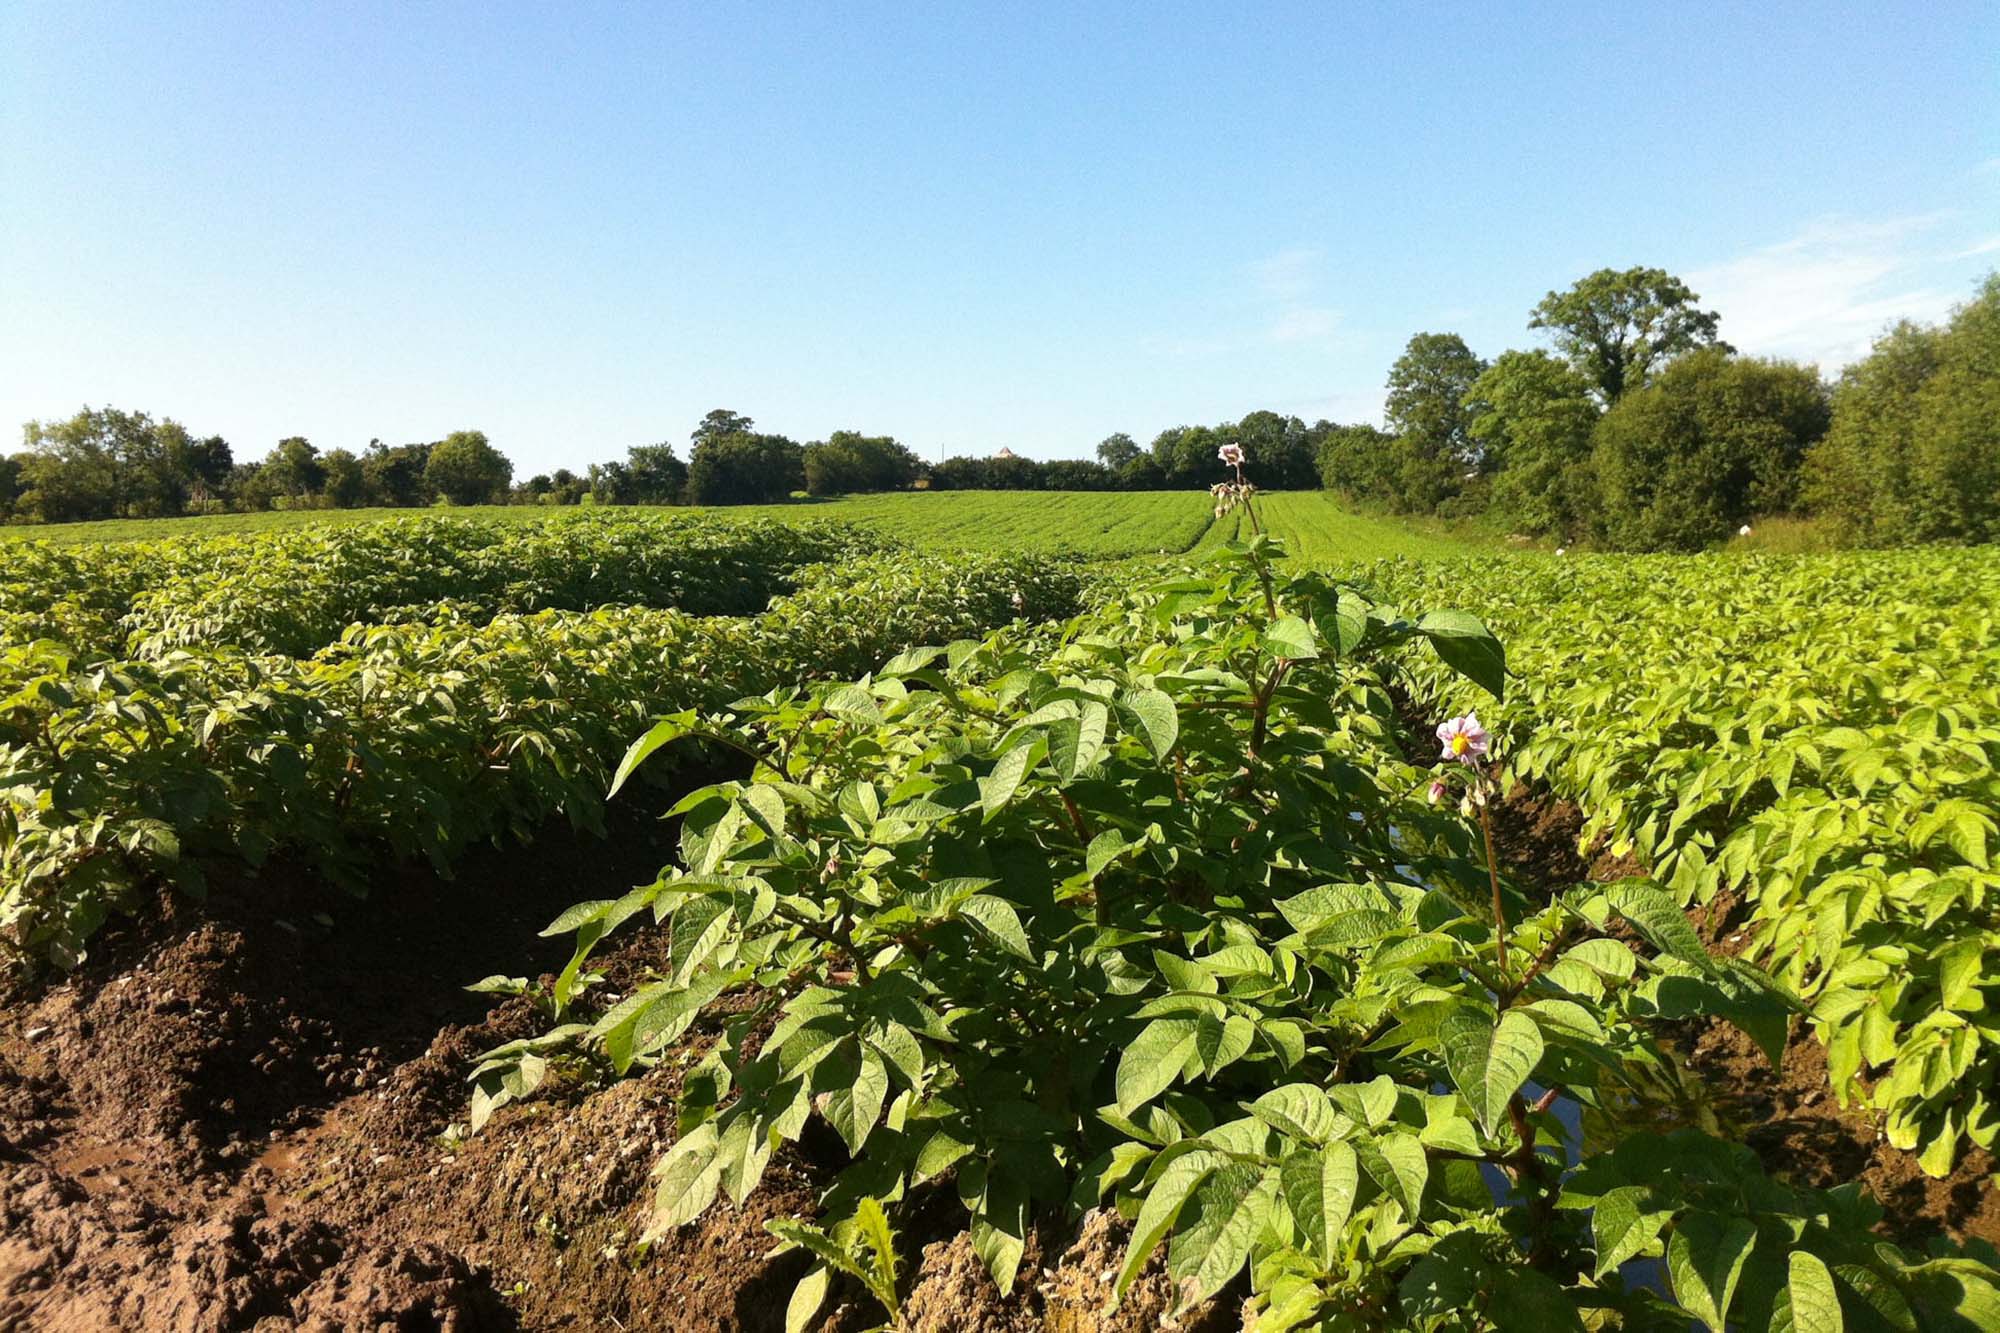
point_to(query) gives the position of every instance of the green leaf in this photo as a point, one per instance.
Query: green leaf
(1620, 1230)
(661, 733)
(690, 1175)
(1153, 1061)
(1705, 1257)
(1469, 648)
(851, 703)
(1400, 1166)
(1320, 1185)
(1165, 1198)
(1075, 743)
(1236, 1203)
(997, 920)
(807, 1298)
(1489, 1062)
(1815, 1301)
(1291, 637)
(999, 786)
(873, 1226)
(853, 1110)
(1151, 714)
(1525, 1301)
(1655, 914)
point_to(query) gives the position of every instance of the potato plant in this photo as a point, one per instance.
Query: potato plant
(411, 739)
(294, 592)
(1818, 735)
(1151, 916)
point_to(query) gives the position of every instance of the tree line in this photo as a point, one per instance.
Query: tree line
(1644, 430)
(1639, 428)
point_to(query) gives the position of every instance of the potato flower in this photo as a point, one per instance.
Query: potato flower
(1463, 739)
(1231, 454)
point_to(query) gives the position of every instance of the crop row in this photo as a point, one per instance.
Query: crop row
(1819, 736)
(1154, 917)
(414, 738)
(294, 592)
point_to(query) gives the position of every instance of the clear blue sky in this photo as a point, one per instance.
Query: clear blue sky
(580, 228)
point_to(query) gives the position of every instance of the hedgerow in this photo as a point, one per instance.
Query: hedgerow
(1819, 735)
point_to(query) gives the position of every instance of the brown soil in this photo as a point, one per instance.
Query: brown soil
(244, 1114)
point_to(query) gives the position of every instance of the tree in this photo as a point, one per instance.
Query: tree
(719, 423)
(394, 477)
(10, 482)
(1711, 441)
(744, 469)
(1359, 462)
(100, 463)
(345, 486)
(1533, 423)
(293, 467)
(1914, 451)
(610, 484)
(655, 475)
(1429, 414)
(209, 462)
(466, 470)
(850, 463)
(565, 487)
(1616, 326)
(1116, 450)
(252, 488)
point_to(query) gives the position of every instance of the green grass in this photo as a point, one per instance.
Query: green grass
(1319, 531)
(1104, 525)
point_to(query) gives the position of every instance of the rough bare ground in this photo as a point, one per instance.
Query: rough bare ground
(242, 1116)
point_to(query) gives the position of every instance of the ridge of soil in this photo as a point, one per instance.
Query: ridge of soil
(246, 1114)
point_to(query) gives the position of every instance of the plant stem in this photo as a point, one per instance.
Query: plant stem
(1493, 877)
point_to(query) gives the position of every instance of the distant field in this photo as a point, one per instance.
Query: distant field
(1318, 530)
(1316, 527)
(1105, 525)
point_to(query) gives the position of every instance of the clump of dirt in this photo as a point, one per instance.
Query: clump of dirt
(1060, 1290)
(1790, 1118)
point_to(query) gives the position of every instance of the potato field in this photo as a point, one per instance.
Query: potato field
(994, 911)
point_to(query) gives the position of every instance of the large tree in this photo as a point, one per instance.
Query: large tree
(1914, 452)
(1429, 412)
(1116, 450)
(1534, 413)
(720, 423)
(655, 475)
(744, 468)
(344, 485)
(1617, 325)
(466, 469)
(395, 475)
(848, 463)
(294, 467)
(1713, 440)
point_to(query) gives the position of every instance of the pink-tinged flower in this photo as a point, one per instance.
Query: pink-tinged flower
(1437, 790)
(1231, 454)
(1743, 531)
(1020, 602)
(1463, 739)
